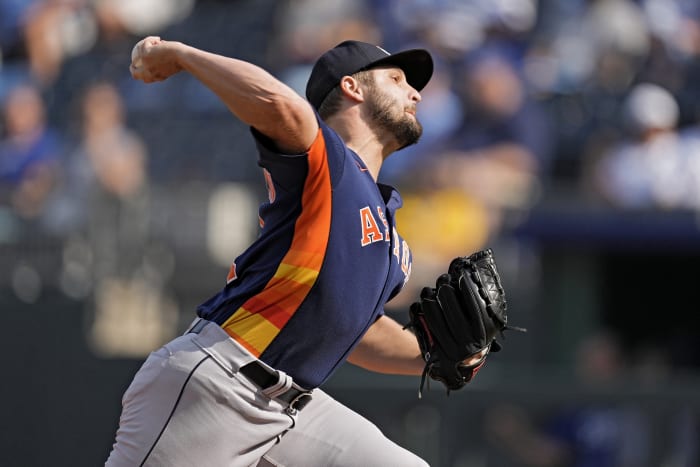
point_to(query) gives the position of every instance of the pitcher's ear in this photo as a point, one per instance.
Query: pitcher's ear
(351, 88)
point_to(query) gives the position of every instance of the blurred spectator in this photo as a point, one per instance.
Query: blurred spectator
(29, 152)
(454, 28)
(596, 433)
(675, 62)
(467, 177)
(104, 211)
(580, 60)
(106, 179)
(139, 17)
(581, 43)
(104, 195)
(593, 432)
(115, 153)
(54, 30)
(655, 166)
(14, 68)
(499, 155)
(12, 14)
(44, 34)
(675, 24)
(588, 434)
(307, 28)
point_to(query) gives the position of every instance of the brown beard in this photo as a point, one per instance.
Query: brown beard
(406, 130)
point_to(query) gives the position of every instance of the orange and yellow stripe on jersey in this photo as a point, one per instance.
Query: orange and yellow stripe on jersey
(260, 319)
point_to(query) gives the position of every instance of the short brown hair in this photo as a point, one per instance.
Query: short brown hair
(331, 103)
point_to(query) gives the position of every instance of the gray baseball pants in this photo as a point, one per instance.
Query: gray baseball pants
(189, 405)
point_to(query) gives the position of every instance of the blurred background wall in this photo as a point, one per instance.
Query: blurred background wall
(564, 134)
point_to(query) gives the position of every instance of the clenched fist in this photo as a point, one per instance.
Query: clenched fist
(153, 59)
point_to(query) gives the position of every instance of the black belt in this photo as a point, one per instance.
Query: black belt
(296, 399)
(260, 375)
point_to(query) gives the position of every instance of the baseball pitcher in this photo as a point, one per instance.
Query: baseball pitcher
(241, 386)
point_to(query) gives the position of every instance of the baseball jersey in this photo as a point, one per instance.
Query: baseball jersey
(327, 259)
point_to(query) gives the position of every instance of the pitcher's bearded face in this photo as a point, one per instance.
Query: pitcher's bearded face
(388, 116)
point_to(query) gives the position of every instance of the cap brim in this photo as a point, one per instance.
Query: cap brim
(417, 64)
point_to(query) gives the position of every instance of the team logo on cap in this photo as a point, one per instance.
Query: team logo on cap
(382, 50)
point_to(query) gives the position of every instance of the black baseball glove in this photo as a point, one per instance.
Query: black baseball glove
(459, 318)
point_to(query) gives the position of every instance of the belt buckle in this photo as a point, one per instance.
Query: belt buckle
(299, 402)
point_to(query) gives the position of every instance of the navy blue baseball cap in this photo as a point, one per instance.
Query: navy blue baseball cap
(349, 57)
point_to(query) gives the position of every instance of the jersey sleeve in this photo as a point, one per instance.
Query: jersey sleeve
(290, 170)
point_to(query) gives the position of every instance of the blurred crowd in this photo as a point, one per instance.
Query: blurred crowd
(54, 134)
(595, 99)
(74, 177)
(594, 96)
(595, 431)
